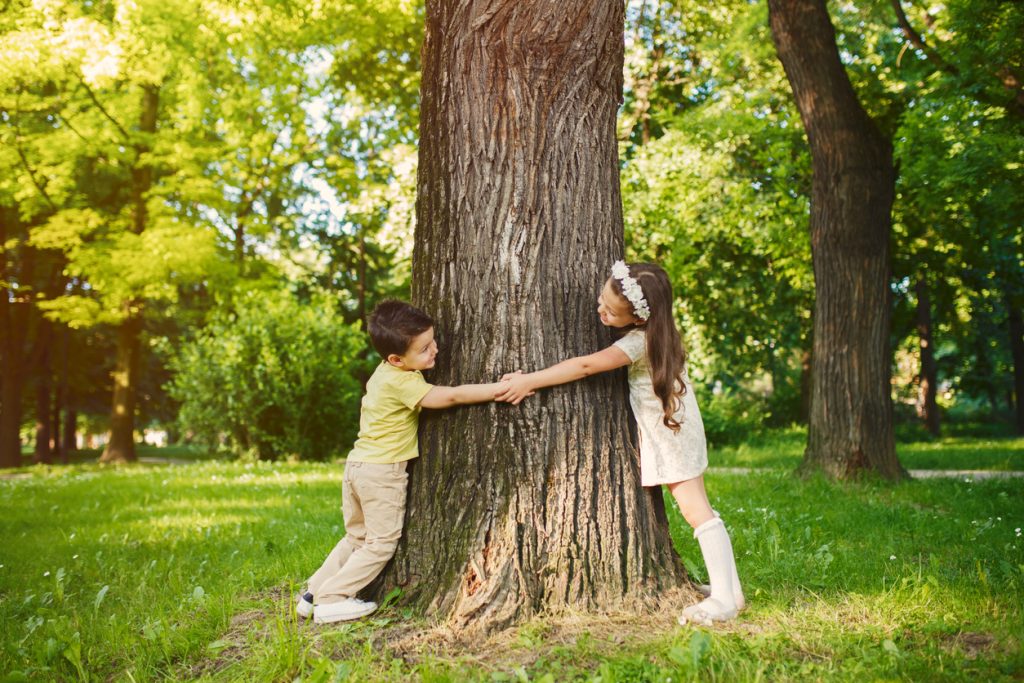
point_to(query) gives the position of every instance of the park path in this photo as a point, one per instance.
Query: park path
(974, 475)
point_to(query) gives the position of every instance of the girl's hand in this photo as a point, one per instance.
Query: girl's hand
(517, 387)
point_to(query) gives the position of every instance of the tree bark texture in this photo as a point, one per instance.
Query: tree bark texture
(15, 310)
(518, 510)
(850, 427)
(121, 444)
(1016, 324)
(44, 393)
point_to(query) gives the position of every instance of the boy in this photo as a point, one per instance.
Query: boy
(374, 484)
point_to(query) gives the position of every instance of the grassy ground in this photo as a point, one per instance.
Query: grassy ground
(186, 573)
(784, 448)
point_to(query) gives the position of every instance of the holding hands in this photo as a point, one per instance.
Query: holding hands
(515, 386)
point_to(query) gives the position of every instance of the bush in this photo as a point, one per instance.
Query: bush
(731, 417)
(274, 378)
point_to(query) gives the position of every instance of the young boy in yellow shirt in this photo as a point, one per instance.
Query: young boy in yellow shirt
(374, 484)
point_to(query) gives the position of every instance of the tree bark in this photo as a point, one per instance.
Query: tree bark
(44, 393)
(850, 428)
(121, 444)
(1016, 324)
(15, 309)
(70, 434)
(928, 409)
(515, 510)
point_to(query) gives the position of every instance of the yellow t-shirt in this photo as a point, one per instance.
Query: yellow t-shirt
(389, 416)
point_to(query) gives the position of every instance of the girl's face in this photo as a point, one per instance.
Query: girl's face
(614, 310)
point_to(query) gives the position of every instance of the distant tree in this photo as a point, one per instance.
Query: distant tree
(851, 423)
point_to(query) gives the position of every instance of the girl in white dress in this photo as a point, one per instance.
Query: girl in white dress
(673, 451)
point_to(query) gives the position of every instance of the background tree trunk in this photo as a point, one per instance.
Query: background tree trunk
(1016, 324)
(850, 427)
(44, 392)
(15, 311)
(517, 509)
(929, 377)
(121, 444)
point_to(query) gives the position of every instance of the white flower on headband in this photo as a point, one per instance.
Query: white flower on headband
(631, 290)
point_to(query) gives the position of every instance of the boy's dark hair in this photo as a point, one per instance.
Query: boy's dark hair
(394, 324)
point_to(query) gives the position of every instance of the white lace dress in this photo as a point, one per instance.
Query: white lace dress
(665, 456)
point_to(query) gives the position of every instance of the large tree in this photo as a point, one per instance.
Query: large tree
(515, 510)
(850, 428)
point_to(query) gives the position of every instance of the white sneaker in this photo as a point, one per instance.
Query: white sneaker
(304, 606)
(346, 610)
(741, 602)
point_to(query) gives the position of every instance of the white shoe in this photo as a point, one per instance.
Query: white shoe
(706, 612)
(741, 602)
(346, 610)
(304, 605)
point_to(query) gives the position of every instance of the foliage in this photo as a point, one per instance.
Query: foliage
(717, 193)
(273, 377)
(187, 572)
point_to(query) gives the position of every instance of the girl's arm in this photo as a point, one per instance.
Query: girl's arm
(520, 386)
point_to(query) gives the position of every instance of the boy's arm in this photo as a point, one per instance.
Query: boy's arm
(446, 397)
(519, 386)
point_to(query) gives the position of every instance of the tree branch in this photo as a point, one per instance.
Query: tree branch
(917, 40)
(1015, 106)
(103, 111)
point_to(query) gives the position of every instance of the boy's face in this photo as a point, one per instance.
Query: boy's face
(420, 355)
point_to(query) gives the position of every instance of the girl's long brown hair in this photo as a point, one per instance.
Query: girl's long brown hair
(666, 354)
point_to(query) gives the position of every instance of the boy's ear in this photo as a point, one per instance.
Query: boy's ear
(396, 360)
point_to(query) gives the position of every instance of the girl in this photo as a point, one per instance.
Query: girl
(637, 299)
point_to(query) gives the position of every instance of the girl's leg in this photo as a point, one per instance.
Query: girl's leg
(726, 596)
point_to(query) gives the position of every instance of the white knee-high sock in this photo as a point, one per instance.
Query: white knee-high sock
(737, 590)
(717, 550)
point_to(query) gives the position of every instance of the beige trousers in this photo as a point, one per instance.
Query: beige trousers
(373, 504)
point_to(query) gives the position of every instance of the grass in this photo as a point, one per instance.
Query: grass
(146, 573)
(784, 448)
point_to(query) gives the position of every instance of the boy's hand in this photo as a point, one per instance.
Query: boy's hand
(516, 387)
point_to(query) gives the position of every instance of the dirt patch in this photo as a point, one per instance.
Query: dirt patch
(233, 646)
(415, 640)
(972, 644)
(542, 636)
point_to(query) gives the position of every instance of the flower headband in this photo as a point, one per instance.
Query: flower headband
(631, 290)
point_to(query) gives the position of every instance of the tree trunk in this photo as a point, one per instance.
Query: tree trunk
(518, 221)
(121, 444)
(928, 409)
(14, 318)
(44, 393)
(1017, 350)
(850, 426)
(61, 406)
(70, 434)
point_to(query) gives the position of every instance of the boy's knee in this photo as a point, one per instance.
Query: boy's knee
(382, 548)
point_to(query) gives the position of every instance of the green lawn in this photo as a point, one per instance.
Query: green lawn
(186, 572)
(784, 448)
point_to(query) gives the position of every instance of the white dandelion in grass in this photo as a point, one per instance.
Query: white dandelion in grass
(1016, 531)
(892, 557)
(46, 573)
